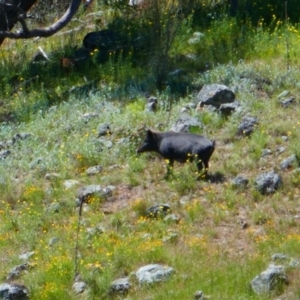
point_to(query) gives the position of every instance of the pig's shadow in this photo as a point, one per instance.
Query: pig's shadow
(217, 177)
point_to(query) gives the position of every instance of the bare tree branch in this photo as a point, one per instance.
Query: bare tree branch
(42, 32)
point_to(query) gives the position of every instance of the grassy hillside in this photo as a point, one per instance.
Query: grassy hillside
(221, 237)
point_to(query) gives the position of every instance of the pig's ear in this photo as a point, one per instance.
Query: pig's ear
(149, 133)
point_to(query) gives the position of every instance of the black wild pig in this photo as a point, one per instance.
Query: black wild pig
(179, 146)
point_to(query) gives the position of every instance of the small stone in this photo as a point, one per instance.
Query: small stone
(26, 256)
(94, 170)
(153, 273)
(120, 285)
(266, 152)
(279, 256)
(53, 241)
(70, 183)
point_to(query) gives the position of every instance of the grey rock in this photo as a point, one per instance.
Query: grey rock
(93, 170)
(53, 207)
(287, 102)
(26, 255)
(215, 95)
(185, 123)
(13, 292)
(36, 162)
(240, 181)
(79, 287)
(51, 176)
(197, 36)
(151, 105)
(226, 109)
(247, 126)
(106, 143)
(104, 129)
(97, 230)
(88, 116)
(280, 150)
(21, 136)
(88, 191)
(268, 183)
(269, 280)
(153, 273)
(279, 256)
(54, 240)
(70, 183)
(266, 152)
(288, 162)
(121, 285)
(285, 138)
(172, 218)
(4, 154)
(159, 210)
(199, 295)
(17, 271)
(294, 263)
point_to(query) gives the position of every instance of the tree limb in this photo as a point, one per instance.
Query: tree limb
(42, 32)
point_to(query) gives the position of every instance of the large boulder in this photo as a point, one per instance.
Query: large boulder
(268, 183)
(215, 95)
(269, 280)
(153, 273)
(12, 291)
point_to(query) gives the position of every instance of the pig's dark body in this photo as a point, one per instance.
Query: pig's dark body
(181, 147)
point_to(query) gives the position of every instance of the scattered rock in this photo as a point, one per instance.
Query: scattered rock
(70, 183)
(172, 218)
(88, 116)
(197, 36)
(26, 255)
(226, 109)
(51, 176)
(104, 129)
(280, 150)
(215, 95)
(186, 123)
(268, 183)
(93, 170)
(121, 285)
(269, 280)
(151, 105)
(159, 210)
(153, 273)
(13, 292)
(53, 241)
(199, 295)
(247, 126)
(294, 263)
(53, 207)
(287, 102)
(288, 162)
(239, 182)
(36, 162)
(21, 136)
(79, 286)
(4, 154)
(266, 152)
(85, 193)
(279, 256)
(17, 271)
